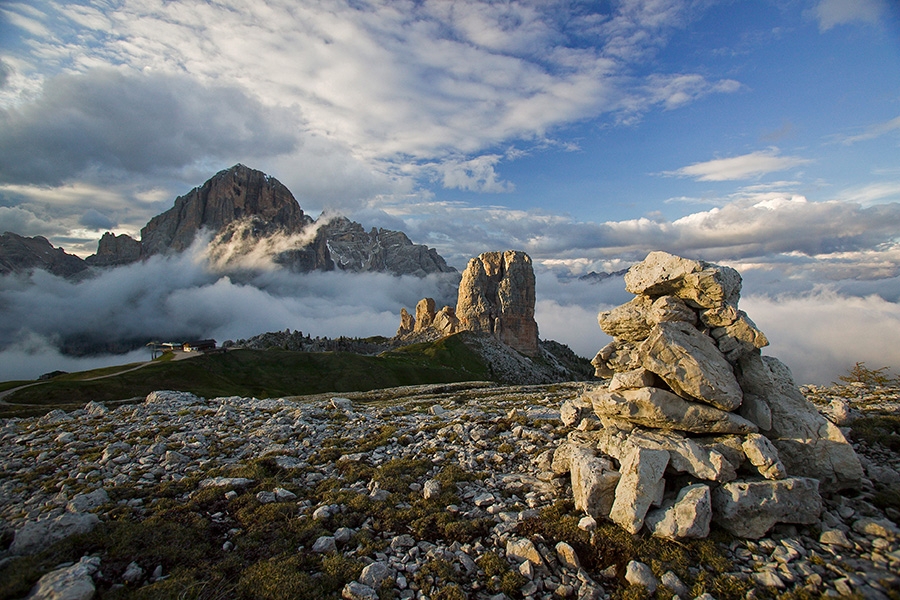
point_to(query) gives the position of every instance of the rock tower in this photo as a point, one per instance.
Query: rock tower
(496, 296)
(695, 424)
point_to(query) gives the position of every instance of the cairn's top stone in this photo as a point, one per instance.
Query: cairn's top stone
(698, 282)
(496, 296)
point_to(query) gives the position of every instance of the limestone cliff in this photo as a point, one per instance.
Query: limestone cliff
(232, 195)
(496, 296)
(114, 250)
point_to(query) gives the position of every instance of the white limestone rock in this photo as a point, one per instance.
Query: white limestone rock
(634, 379)
(700, 283)
(628, 321)
(374, 573)
(594, 481)
(572, 411)
(739, 338)
(763, 455)
(34, 536)
(691, 364)
(749, 509)
(688, 516)
(642, 472)
(659, 409)
(358, 591)
(522, 549)
(68, 583)
(637, 573)
(686, 455)
(667, 309)
(808, 444)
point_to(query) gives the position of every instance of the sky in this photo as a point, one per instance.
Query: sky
(760, 134)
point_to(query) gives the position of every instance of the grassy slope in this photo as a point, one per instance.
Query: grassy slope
(262, 374)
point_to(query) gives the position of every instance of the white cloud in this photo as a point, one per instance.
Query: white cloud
(830, 13)
(389, 84)
(820, 335)
(875, 131)
(747, 166)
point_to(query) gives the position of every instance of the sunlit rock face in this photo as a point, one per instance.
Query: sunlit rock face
(496, 296)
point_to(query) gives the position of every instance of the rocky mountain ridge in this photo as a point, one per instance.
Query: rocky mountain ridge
(20, 254)
(250, 218)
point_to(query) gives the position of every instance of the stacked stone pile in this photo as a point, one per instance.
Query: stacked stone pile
(696, 425)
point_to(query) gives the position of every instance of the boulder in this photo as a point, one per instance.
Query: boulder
(659, 409)
(574, 410)
(74, 582)
(749, 509)
(641, 484)
(808, 444)
(691, 364)
(739, 338)
(523, 549)
(445, 321)
(35, 536)
(688, 516)
(762, 454)
(594, 481)
(496, 296)
(628, 321)
(699, 283)
(637, 573)
(634, 379)
(666, 309)
(686, 455)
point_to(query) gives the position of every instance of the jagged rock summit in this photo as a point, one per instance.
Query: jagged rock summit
(695, 425)
(251, 216)
(496, 297)
(20, 254)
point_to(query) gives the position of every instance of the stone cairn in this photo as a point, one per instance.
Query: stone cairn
(695, 425)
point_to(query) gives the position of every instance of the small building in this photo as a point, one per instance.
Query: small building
(199, 346)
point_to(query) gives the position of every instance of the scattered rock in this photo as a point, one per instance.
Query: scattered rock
(68, 583)
(637, 573)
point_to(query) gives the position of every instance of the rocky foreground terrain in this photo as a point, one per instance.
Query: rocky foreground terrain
(429, 492)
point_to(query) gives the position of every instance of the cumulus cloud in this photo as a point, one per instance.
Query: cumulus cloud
(136, 123)
(393, 82)
(747, 166)
(818, 238)
(830, 13)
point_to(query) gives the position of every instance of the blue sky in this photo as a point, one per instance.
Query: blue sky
(763, 134)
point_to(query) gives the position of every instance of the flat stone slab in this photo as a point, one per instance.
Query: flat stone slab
(659, 409)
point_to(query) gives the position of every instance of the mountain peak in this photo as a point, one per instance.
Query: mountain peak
(230, 195)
